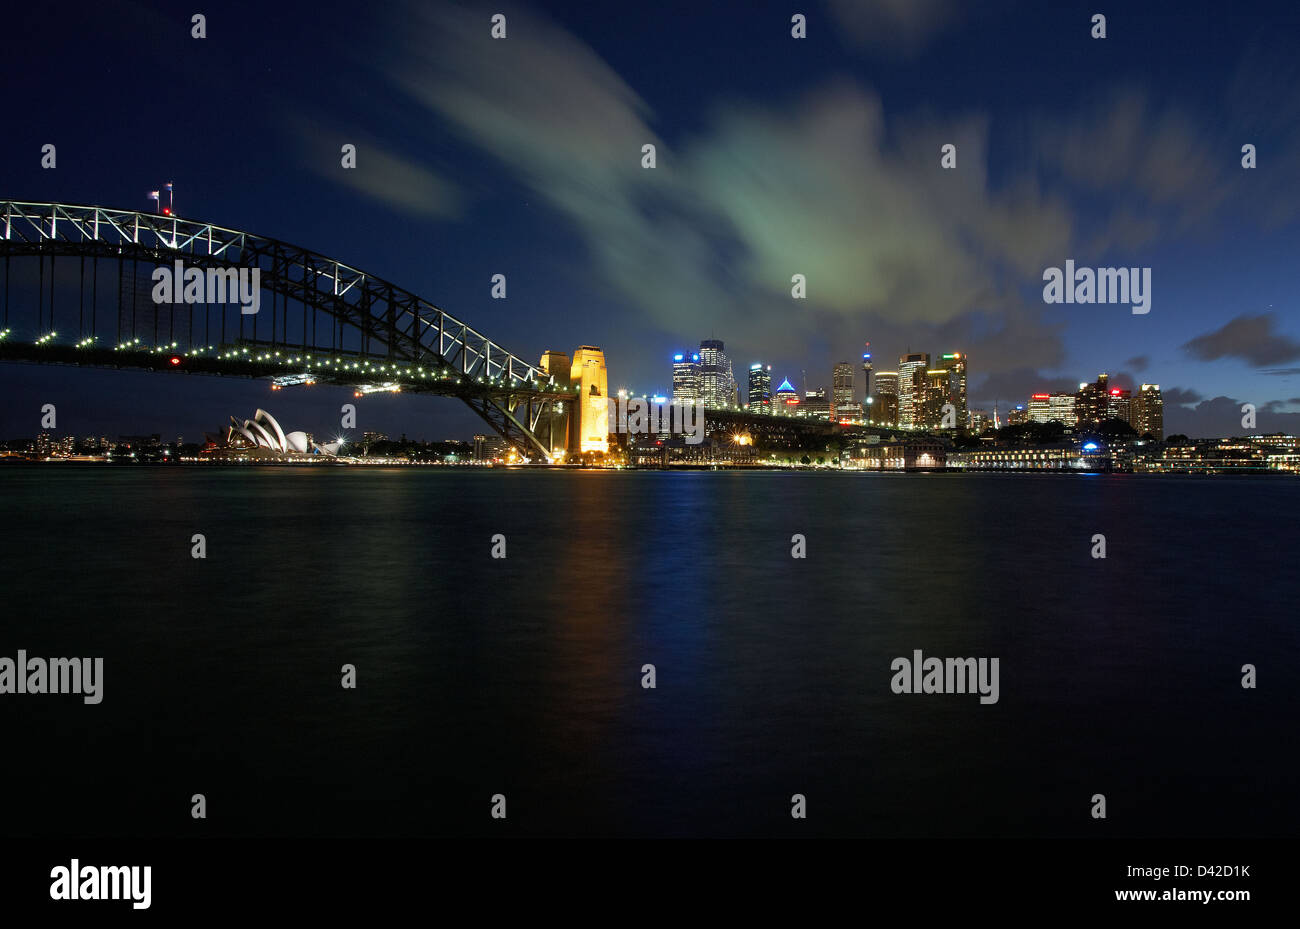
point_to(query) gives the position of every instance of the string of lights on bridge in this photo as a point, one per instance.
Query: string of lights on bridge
(310, 362)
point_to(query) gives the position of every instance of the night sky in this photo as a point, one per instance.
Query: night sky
(775, 156)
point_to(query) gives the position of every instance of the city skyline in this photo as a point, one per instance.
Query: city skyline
(1035, 186)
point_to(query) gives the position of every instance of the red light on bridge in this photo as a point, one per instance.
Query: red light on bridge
(167, 211)
(175, 360)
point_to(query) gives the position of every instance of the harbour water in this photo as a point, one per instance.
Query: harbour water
(523, 675)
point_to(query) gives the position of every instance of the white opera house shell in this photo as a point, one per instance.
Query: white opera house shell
(263, 436)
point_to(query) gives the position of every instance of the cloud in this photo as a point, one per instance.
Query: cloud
(1178, 396)
(380, 173)
(1281, 372)
(712, 236)
(1221, 417)
(1138, 362)
(1250, 338)
(896, 27)
(1015, 386)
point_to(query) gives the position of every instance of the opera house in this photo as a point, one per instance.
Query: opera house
(262, 437)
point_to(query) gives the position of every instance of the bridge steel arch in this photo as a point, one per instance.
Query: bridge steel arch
(354, 328)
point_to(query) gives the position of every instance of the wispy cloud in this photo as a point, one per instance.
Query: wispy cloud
(1253, 339)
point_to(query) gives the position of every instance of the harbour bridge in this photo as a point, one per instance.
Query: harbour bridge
(90, 302)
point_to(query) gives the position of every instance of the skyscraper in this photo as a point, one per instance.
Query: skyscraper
(1046, 408)
(1148, 411)
(884, 400)
(842, 405)
(686, 377)
(787, 399)
(717, 383)
(955, 364)
(911, 385)
(931, 399)
(760, 388)
(1093, 404)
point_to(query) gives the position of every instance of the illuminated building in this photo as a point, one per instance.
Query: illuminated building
(1215, 456)
(842, 405)
(929, 400)
(760, 388)
(787, 399)
(1119, 405)
(815, 404)
(1093, 401)
(866, 375)
(1046, 408)
(686, 377)
(262, 437)
(1147, 414)
(591, 415)
(955, 364)
(884, 401)
(717, 384)
(911, 387)
(904, 455)
(1061, 456)
(1017, 415)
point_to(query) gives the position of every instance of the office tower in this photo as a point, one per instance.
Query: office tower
(787, 399)
(717, 383)
(686, 377)
(1016, 416)
(842, 405)
(760, 388)
(884, 399)
(815, 404)
(1063, 408)
(1094, 401)
(1046, 408)
(955, 364)
(911, 386)
(1149, 411)
(979, 422)
(928, 397)
(591, 415)
(1119, 405)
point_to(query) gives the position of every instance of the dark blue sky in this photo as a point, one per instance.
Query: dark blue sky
(775, 156)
